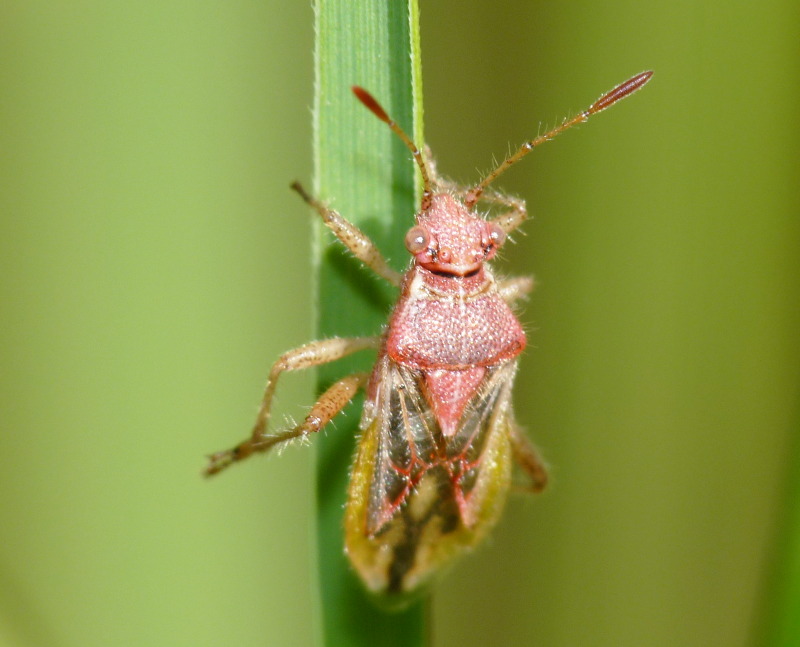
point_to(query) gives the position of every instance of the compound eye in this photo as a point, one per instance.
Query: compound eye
(496, 234)
(417, 240)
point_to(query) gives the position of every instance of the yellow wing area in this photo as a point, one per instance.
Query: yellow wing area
(416, 499)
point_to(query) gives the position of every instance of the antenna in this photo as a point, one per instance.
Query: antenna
(370, 102)
(606, 101)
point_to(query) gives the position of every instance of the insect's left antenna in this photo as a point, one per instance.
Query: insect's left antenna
(370, 102)
(607, 100)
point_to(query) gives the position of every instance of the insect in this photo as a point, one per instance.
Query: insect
(438, 434)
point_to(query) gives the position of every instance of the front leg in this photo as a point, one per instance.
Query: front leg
(353, 238)
(437, 180)
(508, 221)
(513, 289)
(328, 405)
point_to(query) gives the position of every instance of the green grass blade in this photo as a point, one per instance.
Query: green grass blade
(365, 173)
(781, 607)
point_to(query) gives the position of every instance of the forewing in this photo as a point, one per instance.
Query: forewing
(485, 414)
(410, 441)
(407, 441)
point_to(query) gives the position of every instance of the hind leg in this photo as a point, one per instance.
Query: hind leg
(527, 457)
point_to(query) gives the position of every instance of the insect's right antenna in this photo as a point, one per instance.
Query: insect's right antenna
(369, 101)
(608, 99)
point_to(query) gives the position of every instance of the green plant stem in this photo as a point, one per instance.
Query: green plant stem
(780, 621)
(365, 173)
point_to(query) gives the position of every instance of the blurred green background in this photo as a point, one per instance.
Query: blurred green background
(153, 264)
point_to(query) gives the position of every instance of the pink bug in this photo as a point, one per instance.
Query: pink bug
(438, 434)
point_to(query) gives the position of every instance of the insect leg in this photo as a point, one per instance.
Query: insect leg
(437, 180)
(312, 354)
(352, 237)
(329, 404)
(528, 458)
(508, 221)
(518, 287)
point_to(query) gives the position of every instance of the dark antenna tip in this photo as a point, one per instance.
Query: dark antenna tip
(607, 100)
(375, 108)
(620, 92)
(370, 102)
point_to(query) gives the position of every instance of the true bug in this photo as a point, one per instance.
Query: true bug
(438, 435)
